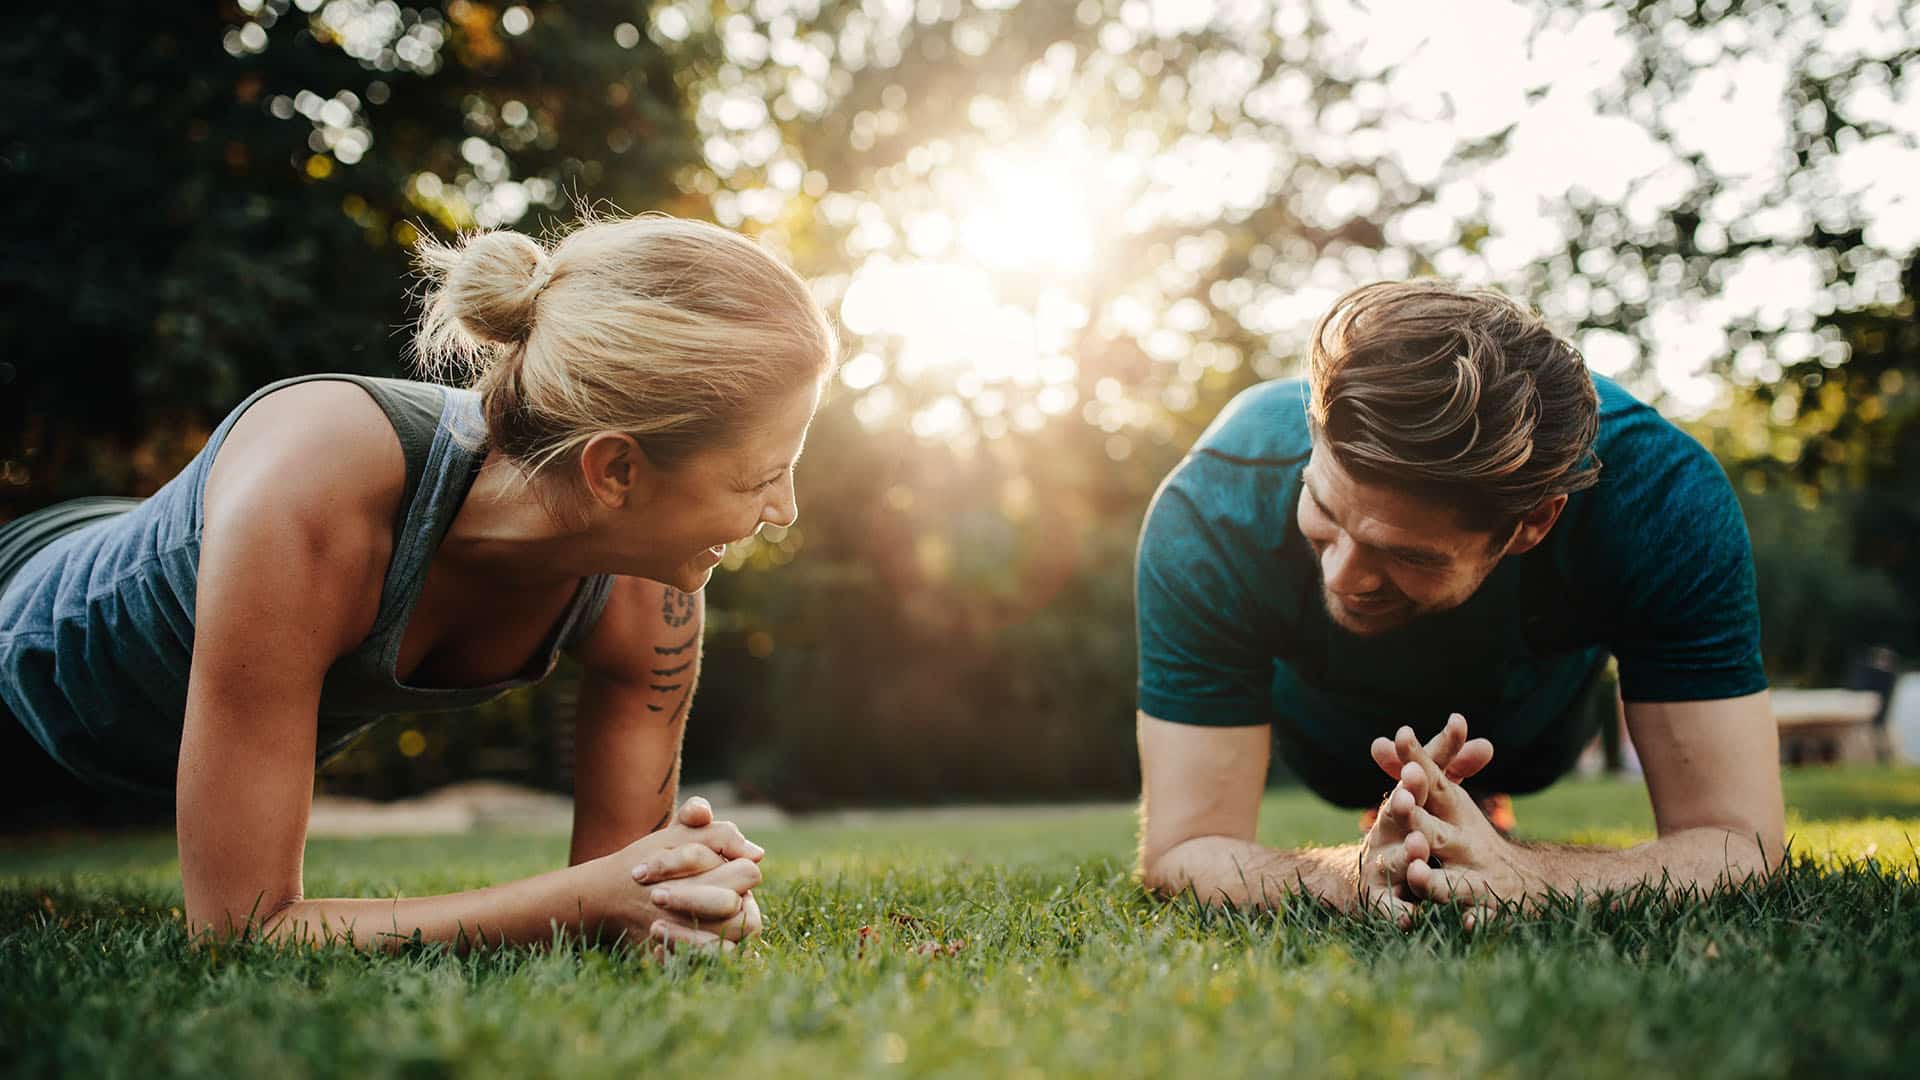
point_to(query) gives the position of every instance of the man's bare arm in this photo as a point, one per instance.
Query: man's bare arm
(1713, 775)
(1200, 804)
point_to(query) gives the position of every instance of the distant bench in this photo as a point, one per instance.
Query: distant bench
(1827, 725)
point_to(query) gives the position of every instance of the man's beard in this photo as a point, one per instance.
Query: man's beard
(1370, 623)
(1390, 617)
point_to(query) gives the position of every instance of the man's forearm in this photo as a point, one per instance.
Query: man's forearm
(1681, 861)
(1240, 873)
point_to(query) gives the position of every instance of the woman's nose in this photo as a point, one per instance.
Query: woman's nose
(783, 509)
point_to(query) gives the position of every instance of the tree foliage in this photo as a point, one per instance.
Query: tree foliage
(1058, 236)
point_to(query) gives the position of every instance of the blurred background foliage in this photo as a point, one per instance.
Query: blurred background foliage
(1058, 236)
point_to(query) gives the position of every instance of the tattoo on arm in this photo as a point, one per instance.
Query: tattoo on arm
(676, 607)
(675, 650)
(674, 725)
(662, 823)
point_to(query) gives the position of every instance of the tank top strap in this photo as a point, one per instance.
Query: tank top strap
(454, 453)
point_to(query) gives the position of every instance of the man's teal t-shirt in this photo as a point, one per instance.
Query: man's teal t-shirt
(1651, 565)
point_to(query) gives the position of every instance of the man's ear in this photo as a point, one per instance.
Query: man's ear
(1536, 523)
(615, 471)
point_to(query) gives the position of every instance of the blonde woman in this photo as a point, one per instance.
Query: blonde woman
(348, 547)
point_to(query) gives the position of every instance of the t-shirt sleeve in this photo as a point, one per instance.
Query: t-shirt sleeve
(1689, 627)
(1196, 605)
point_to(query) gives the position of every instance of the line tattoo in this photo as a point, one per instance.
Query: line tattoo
(665, 687)
(673, 670)
(675, 650)
(662, 823)
(674, 765)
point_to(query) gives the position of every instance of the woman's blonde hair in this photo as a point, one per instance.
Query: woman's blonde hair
(676, 332)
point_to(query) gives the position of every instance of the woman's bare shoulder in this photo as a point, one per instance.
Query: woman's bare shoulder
(316, 450)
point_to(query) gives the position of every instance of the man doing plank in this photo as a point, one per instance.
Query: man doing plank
(1423, 527)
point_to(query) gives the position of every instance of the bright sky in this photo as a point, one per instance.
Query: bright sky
(949, 252)
(973, 256)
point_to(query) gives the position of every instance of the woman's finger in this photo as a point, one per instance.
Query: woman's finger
(670, 935)
(704, 903)
(740, 875)
(686, 860)
(725, 838)
(695, 813)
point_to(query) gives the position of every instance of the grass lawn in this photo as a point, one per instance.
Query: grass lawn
(1062, 967)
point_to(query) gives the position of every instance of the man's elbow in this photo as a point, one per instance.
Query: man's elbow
(1159, 872)
(1753, 847)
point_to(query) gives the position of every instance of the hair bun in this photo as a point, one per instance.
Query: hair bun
(493, 287)
(480, 297)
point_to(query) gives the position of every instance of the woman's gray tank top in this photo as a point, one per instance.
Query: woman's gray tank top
(96, 616)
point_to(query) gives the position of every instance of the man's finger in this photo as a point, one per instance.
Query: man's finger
(704, 903)
(1411, 751)
(1439, 837)
(1472, 757)
(1447, 743)
(1385, 756)
(1390, 865)
(1414, 781)
(686, 860)
(1479, 915)
(1380, 900)
(1417, 846)
(1444, 885)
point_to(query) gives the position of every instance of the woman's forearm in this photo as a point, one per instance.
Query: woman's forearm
(523, 912)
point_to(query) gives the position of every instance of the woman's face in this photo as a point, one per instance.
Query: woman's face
(724, 494)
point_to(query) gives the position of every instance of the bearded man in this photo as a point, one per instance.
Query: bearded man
(1448, 517)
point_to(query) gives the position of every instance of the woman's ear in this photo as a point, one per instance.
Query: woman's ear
(615, 471)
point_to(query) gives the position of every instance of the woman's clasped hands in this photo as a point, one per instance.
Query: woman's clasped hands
(688, 885)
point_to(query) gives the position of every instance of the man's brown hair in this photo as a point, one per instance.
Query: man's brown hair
(1462, 396)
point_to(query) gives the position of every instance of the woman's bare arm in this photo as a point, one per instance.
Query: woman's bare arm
(291, 563)
(642, 664)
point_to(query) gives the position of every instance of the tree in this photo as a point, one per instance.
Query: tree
(201, 199)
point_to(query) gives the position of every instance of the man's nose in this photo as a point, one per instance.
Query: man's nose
(1347, 569)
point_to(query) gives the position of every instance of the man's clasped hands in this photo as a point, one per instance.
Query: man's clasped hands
(1430, 843)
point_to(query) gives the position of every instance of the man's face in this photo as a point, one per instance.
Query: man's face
(1387, 557)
